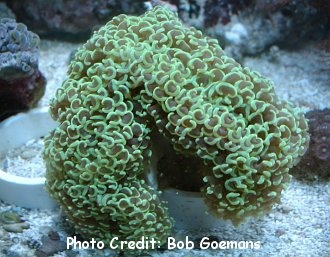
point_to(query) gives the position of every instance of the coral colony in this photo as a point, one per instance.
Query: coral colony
(21, 82)
(138, 76)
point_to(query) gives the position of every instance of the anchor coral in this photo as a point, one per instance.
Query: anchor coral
(150, 74)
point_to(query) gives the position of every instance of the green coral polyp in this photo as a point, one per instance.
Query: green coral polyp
(138, 75)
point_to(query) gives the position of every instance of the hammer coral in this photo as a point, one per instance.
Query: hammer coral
(151, 74)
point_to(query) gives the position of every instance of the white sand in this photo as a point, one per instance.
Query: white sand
(25, 161)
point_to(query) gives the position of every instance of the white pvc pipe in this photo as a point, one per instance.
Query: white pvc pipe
(14, 132)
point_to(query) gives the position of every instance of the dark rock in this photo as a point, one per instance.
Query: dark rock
(315, 164)
(49, 247)
(53, 235)
(285, 23)
(71, 19)
(221, 10)
(5, 12)
(20, 94)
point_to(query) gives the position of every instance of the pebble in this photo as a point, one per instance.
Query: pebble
(28, 154)
(9, 217)
(279, 232)
(285, 209)
(16, 227)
